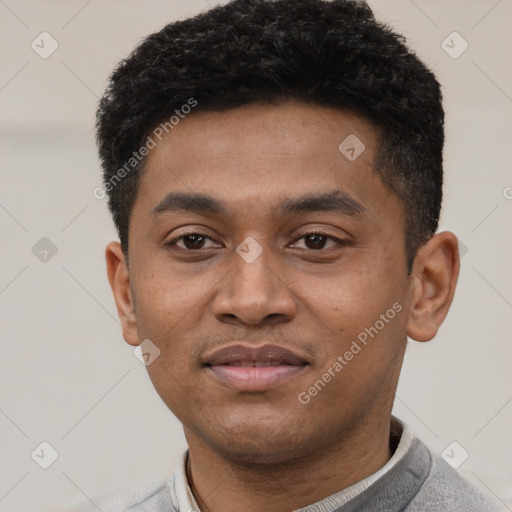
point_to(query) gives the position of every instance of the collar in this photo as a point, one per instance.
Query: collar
(183, 500)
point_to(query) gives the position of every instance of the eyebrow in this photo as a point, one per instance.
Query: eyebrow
(201, 203)
(335, 201)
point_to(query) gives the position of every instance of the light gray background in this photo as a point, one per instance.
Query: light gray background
(66, 375)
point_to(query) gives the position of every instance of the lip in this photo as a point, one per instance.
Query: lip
(248, 368)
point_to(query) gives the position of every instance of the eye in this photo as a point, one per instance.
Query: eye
(192, 242)
(197, 241)
(317, 240)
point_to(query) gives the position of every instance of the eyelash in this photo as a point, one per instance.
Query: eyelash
(174, 241)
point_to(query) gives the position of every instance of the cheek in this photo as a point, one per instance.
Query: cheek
(170, 311)
(355, 299)
(366, 305)
(365, 340)
(165, 300)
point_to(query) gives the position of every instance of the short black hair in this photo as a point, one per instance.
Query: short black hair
(329, 53)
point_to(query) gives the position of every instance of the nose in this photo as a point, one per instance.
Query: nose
(253, 292)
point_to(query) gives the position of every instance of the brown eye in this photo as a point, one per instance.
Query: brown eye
(318, 241)
(315, 241)
(193, 241)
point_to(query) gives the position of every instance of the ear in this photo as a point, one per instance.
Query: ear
(435, 270)
(120, 283)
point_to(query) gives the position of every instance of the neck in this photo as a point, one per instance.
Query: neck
(232, 486)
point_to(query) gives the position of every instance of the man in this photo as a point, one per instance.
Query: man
(274, 171)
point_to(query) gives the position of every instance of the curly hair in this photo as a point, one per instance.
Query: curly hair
(329, 53)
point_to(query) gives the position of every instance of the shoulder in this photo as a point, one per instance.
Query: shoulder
(445, 489)
(151, 497)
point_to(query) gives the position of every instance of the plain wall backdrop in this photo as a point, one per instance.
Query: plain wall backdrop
(66, 375)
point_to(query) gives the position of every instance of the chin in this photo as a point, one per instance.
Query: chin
(253, 443)
(259, 453)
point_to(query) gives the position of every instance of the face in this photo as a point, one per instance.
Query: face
(269, 269)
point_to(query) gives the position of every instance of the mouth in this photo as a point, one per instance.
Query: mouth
(254, 369)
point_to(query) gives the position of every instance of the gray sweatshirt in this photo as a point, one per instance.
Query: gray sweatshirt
(414, 480)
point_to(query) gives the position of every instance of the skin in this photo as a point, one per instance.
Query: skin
(271, 452)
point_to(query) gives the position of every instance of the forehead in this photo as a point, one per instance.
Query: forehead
(256, 155)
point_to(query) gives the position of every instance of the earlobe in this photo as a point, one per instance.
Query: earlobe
(435, 271)
(119, 280)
